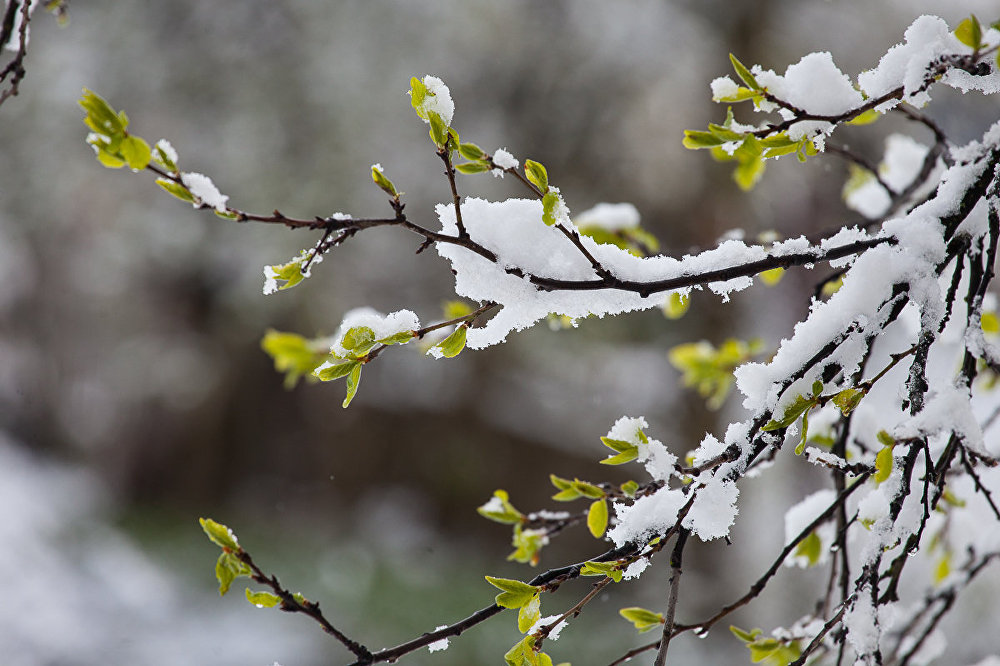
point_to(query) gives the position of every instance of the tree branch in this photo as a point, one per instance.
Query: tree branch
(675, 582)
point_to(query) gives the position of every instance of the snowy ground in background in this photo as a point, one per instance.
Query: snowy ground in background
(79, 592)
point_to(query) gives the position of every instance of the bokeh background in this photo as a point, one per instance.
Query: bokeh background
(134, 397)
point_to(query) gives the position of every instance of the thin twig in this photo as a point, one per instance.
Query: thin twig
(544, 632)
(761, 582)
(818, 639)
(449, 169)
(292, 605)
(675, 582)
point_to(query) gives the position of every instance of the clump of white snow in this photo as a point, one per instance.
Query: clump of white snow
(504, 160)
(438, 100)
(723, 87)
(908, 64)
(609, 216)
(514, 231)
(901, 164)
(167, 149)
(204, 191)
(441, 645)
(798, 518)
(544, 622)
(814, 85)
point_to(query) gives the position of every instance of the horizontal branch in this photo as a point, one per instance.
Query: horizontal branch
(747, 269)
(558, 575)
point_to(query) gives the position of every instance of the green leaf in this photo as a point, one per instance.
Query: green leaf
(587, 489)
(529, 614)
(629, 488)
(499, 509)
(751, 163)
(609, 569)
(779, 140)
(772, 277)
(627, 451)
(811, 548)
(621, 458)
(353, 379)
(970, 33)
(550, 202)
(400, 338)
(290, 273)
(560, 483)
(799, 406)
(677, 305)
(456, 309)
(865, 118)
(224, 573)
(337, 369)
(857, 177)
(567, 495)
(643, 619)
(695, 140)
(709, 369)
(804, 435)
(597, 518)
(725, 133)
(745, 636)
(100, 116)
(848, 400)
(942, 569)
(537, 175)
(515, 594)
(292, 354)
(136, 152)
(469, 168)
(359, 340)
(883, 463)
(438, 130)
(220, 534)
(109, 160)
(773, 652)
(989, 322)
(175, 189)
(470, 151)
(227, 568)
(742, 95)
(744, 73)
(523, 653)
(263, 599)
(566, 491)
(527, 545)
(418, 93)
(950, 499)
(451, 346)
(378, 177)
(163, 159)
(771, 153)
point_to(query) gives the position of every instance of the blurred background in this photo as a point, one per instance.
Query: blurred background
(134, 396)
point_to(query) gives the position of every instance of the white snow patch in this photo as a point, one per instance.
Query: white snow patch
(204, 190)
(441, 645)
(798, 518)
(609, 216)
